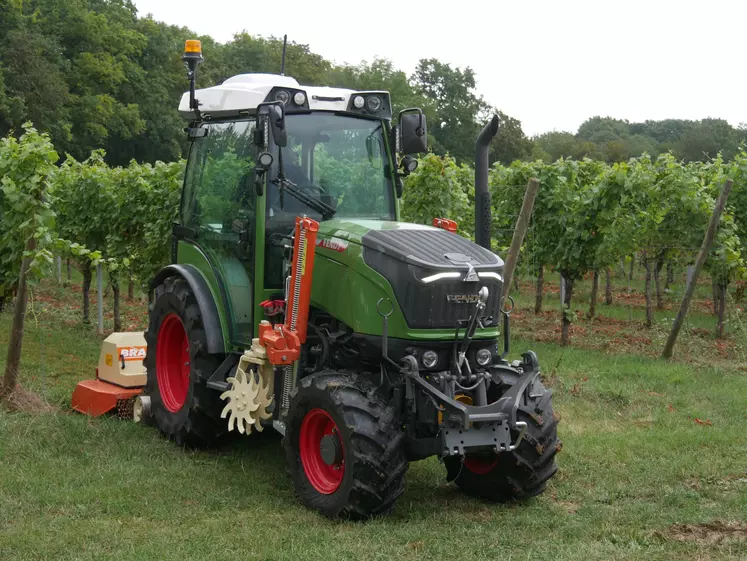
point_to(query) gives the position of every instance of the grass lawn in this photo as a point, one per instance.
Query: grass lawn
(654, 463)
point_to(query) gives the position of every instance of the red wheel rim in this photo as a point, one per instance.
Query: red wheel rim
(325, 478)
(480, 465)
(172, 363)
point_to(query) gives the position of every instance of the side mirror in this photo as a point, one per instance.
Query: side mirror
(412, 132)
(273, 113)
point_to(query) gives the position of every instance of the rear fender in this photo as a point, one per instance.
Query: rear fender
(205, 300)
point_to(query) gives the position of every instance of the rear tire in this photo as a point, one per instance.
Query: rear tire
(519, 474)
(344, 446)
(178, 366)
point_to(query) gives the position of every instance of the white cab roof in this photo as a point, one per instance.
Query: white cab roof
(245, 91)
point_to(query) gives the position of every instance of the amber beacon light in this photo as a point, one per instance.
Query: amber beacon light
(193, 46)
(192, 57)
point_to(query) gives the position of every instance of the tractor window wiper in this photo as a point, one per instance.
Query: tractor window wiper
(321, 207)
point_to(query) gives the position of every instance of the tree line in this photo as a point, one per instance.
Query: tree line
(614, 140)
(95, 74)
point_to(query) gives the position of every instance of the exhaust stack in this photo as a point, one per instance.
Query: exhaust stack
(482, 195)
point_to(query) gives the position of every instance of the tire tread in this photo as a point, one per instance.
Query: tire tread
(374, 449)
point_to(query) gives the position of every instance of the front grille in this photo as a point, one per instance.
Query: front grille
(426, 306)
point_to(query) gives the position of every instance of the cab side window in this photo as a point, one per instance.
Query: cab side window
(219, 205)
(219, 184)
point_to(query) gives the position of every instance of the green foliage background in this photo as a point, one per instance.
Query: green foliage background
(587, 214)
(26, 172)
(84, 210)
(95, 74)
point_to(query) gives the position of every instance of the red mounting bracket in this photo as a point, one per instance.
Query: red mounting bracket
(445, 224)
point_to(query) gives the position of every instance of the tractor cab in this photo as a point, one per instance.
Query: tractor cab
(265, 150)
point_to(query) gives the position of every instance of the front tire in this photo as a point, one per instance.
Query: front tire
(344, 446)
(178, 366)
(522, 473)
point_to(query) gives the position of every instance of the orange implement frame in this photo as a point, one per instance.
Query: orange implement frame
(283, 342)
(95, 398)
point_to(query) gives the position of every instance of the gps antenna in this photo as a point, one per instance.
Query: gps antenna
(282, 60)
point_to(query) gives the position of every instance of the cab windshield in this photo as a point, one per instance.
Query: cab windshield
(337, 159)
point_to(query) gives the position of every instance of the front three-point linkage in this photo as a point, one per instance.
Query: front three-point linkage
(466, 426)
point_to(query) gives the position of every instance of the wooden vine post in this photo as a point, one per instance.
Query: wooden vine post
(10, 378)
(518, 238)
(26, 165)
(699, 261)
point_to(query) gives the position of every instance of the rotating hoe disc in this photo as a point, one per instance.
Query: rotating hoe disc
(249, 399)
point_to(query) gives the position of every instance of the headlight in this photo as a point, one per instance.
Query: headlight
(483, 357)
(359, 102)
(282, 95)
(373, 103)
(299, 98)
(409, 164)
(430, 359)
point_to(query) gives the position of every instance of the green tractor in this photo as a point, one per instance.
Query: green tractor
(297, 300)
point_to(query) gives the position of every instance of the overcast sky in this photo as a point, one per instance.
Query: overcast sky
(551, 64)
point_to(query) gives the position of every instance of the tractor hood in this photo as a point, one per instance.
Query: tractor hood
(434, 274)
(414, 244)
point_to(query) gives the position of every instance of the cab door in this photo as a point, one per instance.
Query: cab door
(218, 209)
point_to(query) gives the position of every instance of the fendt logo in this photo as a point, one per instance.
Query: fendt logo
(463, 298)
(132, 353)
(335, 244)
